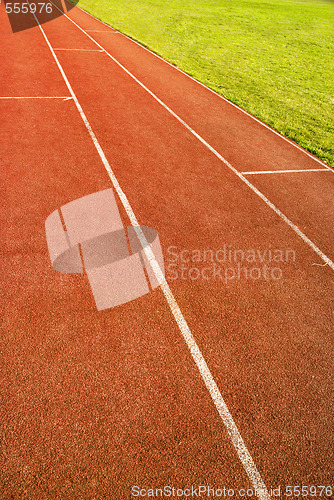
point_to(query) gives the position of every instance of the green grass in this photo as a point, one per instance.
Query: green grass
(274, 58)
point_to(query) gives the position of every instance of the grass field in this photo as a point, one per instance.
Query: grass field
(274, 58)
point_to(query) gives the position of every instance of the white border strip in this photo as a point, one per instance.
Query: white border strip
(210, 90)
(293, 226)
(65, 98)
(240, 447)
(285, 171)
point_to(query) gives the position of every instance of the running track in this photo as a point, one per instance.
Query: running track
(93, 403)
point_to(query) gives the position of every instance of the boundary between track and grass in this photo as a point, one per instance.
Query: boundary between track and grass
(293, 226)
(80, 50)
(209, 89)
(285, 171)
(237, 441)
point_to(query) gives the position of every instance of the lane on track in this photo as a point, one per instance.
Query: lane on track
(307, 199)
(23, 75)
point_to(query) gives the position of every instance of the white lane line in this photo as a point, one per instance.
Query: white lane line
(285, 171)
(293, 226)
(65, 98)
(104, 31)
(83, 50)
(239, 445)
(213, 92)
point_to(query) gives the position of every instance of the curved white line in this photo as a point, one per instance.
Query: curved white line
(293, 226)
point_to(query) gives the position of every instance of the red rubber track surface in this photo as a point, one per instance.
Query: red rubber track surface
(92, 402)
